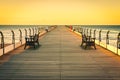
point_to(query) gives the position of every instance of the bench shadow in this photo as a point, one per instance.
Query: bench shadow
(88, 47)
(32, 47)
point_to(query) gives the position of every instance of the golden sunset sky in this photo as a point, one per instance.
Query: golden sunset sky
(52, 12)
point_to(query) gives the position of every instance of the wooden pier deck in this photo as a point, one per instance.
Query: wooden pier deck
(60, 57)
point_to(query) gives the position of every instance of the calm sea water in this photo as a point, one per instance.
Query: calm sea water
(103, 27)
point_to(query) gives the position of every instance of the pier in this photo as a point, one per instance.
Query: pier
(60, 57)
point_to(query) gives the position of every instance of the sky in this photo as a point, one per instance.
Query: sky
(60, 12)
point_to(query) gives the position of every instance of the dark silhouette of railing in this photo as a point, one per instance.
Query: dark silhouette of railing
(29, 31)
(20, 36)
(25, 32)
(118, 41)
(2, 42)
(100, 35)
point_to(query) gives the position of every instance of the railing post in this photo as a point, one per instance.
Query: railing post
(77, 29)
(29, 32)
(25, 32)
(107, 37)
(20, 36)
(90, 31)
(84, 31)
(81, 30)
(118, 42)
(87, 32)
(39, 30)
(95, 33)
(100, 35)
(13, 38)
(2, 42)
(33, 30)
(36, 30)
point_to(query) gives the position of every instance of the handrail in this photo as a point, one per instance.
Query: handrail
(104, 38)
(2, 42)
(118, 41)
(20, 36)
(90, 31)
(87, 32)
(13, 38)
(33, 30)
(36, 30)
(39, 30)
(25, 32)
(100, 35)
(107, 37)
(84, 31)
(81, 30)
(95, 33)
(29, 32)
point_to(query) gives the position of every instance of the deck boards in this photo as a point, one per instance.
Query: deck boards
(60, 57)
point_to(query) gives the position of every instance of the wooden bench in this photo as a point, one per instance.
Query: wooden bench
(88, 41)
(32, 40)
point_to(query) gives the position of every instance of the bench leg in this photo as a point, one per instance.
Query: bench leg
(86, 46)
(81, 44)
(94, 46)
(25, 46)
(34, 45)
(38, 43)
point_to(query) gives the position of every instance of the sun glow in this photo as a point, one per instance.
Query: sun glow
(60, 12)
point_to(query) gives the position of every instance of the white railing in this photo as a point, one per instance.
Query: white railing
(12, 39)
(105, 38)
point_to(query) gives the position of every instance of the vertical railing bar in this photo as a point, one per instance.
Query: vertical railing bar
(33, 30)
(39, 30)
(118, 42)
(81, 30)
(29, 32)
(25, 32)
(84, 30)
(87, 32)
(20, 36)
(2, 42)
(100, 36)
(95, 33)
(13, 38)
(107, 37)
(90, 31)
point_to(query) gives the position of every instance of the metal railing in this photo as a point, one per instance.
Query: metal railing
(107, 39)
(13, 38)
(20, 36)
(16, 38)
(2, 42)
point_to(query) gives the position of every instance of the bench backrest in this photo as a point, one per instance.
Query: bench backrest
(36, 37)
(84, 38)
(87, 38)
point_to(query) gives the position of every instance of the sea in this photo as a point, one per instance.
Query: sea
(103, 27)
(114, 30)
